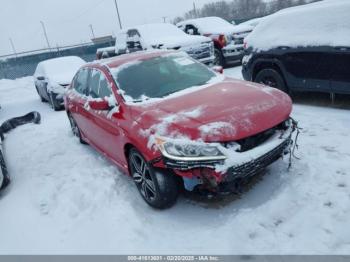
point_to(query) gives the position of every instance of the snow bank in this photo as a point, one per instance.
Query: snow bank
(324, 23)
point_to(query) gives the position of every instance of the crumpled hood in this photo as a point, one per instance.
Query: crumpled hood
(226, 111)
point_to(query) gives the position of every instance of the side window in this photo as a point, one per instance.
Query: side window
(80, 82)
(99, 87)
(191, 30)
(133, 40)
(94, 83)
(104, 90)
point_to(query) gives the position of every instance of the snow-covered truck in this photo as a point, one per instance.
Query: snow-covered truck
(164, 36)
(228, 39)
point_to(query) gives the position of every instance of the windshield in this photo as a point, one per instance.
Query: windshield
(160, 76)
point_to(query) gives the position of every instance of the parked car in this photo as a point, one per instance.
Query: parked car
(228, 39)
(165, 118)
(105, 52)
(33, 117)
(310, 54)
(53, 76)
(164, 36)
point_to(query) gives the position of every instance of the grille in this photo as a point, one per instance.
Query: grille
(256, 140)
(257, 165)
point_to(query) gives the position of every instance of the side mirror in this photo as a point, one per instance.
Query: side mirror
(218, 69)
(40, 78)
(101, 105)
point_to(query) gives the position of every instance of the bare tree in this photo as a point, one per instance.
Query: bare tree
(241, 9)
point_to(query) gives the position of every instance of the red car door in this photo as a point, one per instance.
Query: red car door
(78, 99)
(105, 131)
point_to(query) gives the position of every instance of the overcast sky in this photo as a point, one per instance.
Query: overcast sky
(67, 21)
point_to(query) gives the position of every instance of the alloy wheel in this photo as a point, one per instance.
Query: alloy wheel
(142, 177)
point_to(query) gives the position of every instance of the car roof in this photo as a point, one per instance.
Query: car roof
(117, 61)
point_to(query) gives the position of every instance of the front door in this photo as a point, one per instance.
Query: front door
(105, 129)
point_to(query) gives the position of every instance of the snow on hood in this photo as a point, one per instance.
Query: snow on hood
(226, 111)
(167, 35)
(324, 23)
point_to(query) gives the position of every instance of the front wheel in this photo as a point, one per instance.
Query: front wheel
(158, 189)
(270, 77)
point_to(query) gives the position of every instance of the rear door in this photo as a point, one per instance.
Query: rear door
(341, 70)
(308, 69)
(105, 128)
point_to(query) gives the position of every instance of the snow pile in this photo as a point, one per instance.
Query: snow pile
(325, 23)
(59, 70)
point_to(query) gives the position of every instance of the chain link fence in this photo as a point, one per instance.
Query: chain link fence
(24, 64)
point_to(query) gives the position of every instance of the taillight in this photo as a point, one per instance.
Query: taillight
(245, 45)
(222, 40)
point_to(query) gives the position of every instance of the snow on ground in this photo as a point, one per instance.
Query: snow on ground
(67, 199)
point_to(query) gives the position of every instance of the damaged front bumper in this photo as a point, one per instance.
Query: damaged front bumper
(212, 174)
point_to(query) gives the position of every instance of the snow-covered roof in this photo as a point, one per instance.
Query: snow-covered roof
(167, 35)
(325, 23)
(60, 69)
(209, 25)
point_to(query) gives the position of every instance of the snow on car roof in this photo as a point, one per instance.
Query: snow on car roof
(67, 65)
(210, 24)
(323, 23)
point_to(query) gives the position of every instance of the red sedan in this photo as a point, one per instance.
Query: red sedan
(170, 121)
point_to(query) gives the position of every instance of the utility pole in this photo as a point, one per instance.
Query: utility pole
(92, 31)
(13, 47)
(194, 10)
(47, 39)
(116, 7)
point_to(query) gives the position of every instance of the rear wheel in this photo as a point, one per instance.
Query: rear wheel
(272, 78)
(4, 179)
(41, 98)
(75, 129)
(158, 189)
(219, 58)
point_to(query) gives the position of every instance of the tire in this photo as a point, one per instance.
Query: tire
(41, 98)
(75, 129)
(158, 188)
(219, 58)
(4, 179)
(272, 78)
(53, 102)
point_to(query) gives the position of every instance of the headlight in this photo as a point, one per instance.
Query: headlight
(191, 151)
